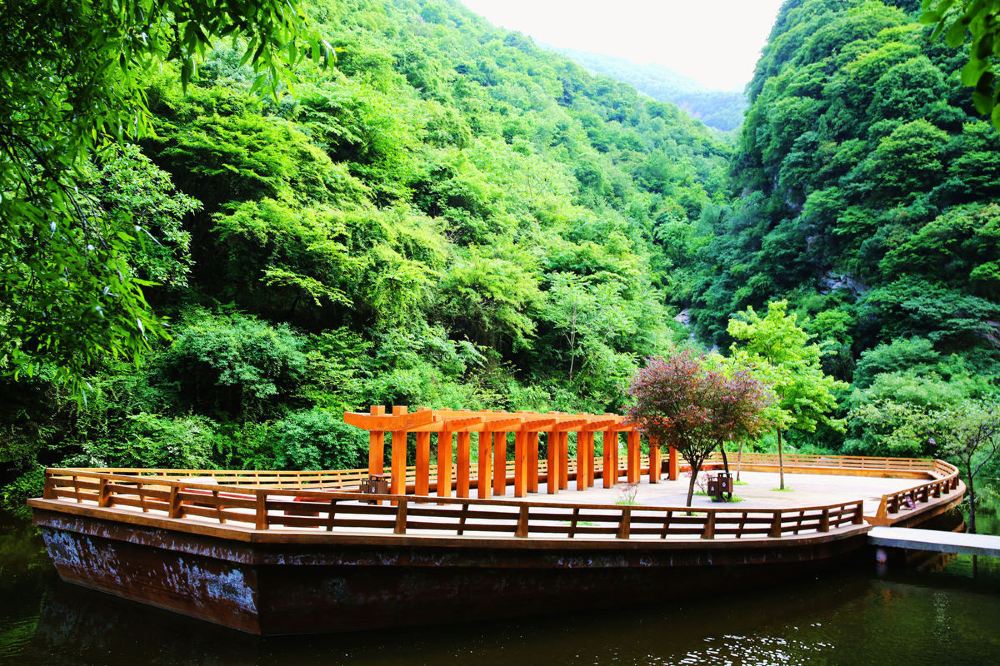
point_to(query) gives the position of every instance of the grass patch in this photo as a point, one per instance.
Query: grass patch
(626, 502)
(781, 490)
(734, 500)
(701, 493)
(738, 482)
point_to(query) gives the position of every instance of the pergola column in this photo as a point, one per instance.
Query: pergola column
(672, 464)
(584, 459)
(444, 464)
(589, 445)
(532, 463)
(520, 463)
(397, 483)
(485, 460)
(552, 460)
(609, 442)
(634, 456)
(493, 427)
(563, 438)
(422, 481)
(500, 464)
(655, 462)
(462, 464)
(376, 445)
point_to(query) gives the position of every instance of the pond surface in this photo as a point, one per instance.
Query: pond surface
(944, 611)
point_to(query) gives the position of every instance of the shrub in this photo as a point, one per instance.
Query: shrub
(317, 439)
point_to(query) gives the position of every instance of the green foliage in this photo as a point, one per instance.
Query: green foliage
(958, 20)
(150, 440)
(719, 109)
(779, 351)
(234, 365)
(317, 439)
(453, 217)
(74, 79)
(868, 188)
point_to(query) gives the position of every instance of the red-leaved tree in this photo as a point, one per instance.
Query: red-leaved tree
(683, 402)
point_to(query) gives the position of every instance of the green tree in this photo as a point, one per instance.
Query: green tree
(685, 402)
(778, 351)
(970, 435)
(73, 79)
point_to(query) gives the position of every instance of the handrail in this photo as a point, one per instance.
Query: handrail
(343, 477)
(910, 499)
(297, 511)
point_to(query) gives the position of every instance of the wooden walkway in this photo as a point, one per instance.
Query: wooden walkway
(935, 540)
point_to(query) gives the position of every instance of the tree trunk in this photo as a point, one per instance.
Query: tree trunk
(694, 477)
(739, 460)
(781, 464)
(725, 467)
(971, 487)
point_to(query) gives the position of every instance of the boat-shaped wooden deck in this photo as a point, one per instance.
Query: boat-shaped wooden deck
(301, 552)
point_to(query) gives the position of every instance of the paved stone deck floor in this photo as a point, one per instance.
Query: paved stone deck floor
(758, 491)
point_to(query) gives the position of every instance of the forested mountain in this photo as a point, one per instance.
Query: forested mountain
(867, 192)
(446, 216)
(720, 109)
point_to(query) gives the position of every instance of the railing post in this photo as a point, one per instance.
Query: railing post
(522, 522)
(624, 523)
(175, 509)
(859, 513)
(260, 511)
(709, 530)
(49, 491)
(401, 516)
(882, 511)
(775, 531)
(824, 521)
(102, 493)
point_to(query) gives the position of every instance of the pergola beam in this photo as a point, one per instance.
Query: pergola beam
(493, 427)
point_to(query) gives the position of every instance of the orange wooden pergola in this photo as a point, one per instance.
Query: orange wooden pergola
(455, 427)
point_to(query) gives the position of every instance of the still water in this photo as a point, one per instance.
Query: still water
(944, 612)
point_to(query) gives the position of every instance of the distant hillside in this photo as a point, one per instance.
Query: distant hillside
(718, 109)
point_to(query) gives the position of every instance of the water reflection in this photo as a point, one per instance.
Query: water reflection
(912, 614)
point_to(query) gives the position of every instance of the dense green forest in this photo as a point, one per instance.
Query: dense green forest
(867, 191)
(720, 109)
(448, 215)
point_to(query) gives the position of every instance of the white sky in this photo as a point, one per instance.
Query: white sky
(714, 42)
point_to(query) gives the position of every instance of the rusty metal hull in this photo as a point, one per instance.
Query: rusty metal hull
(345, 585)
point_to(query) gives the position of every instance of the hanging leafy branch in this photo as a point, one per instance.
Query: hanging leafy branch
(73, 79)
(978, 22)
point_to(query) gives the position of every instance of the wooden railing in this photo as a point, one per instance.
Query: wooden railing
(916, 497)
(296, 511)
(326, 479)
(846, 463)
